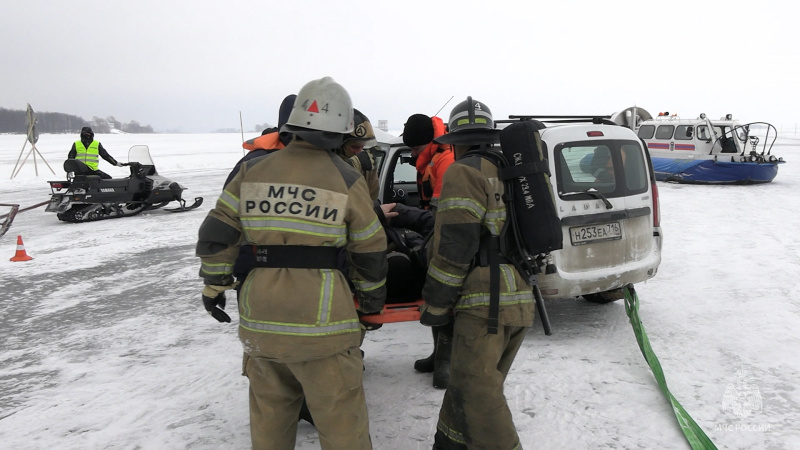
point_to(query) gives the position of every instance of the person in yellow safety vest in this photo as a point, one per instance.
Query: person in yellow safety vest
(298, 324)
(431, 158)
(355, 150)
(470, 217)
(89, 151)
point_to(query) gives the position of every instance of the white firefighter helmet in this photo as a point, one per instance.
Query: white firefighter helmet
(322, 113)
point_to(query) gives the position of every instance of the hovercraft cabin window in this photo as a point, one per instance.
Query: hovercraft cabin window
(665, 131)
(647, 131)
(684, 133)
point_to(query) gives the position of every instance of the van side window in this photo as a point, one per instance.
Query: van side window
(647, 131)
(635, 167)
(665, 131)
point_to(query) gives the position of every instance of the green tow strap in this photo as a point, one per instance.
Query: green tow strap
(694, 434)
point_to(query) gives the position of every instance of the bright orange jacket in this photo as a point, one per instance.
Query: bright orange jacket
(433, 161)
(434, 173)
(269, 141)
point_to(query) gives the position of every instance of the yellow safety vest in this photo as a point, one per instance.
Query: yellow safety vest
(89, 156)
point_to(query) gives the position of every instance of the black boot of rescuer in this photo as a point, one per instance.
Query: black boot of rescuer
(425, 365)
(441, 371)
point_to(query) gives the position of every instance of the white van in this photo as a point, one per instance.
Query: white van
(606, 197)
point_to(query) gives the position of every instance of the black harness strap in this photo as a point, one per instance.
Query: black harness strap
(489, 256)
(296, 256)
(494, 283)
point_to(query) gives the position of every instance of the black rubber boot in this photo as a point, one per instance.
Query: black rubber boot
(441, 371)
(441, 442)
(425, 365)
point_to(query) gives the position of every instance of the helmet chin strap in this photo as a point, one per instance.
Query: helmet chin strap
(322, 139)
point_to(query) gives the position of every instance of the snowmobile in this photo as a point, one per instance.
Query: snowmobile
(86, 197)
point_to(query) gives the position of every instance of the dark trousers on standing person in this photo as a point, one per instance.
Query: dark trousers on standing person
(474, 413)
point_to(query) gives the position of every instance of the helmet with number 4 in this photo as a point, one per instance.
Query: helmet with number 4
(470, 123)
(322, 113)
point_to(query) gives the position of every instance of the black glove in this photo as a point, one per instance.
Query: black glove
(367, 325)
(432, 316)
(215, 305)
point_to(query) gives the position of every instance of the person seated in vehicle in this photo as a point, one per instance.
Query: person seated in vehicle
(599, 165)
(88, 151)
(407, 231)
(728, 146)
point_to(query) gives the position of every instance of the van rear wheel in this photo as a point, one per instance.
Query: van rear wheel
(605, 297)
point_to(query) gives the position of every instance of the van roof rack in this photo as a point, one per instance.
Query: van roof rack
(561, 119)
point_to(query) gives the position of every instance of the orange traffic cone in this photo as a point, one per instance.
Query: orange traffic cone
(20, 255)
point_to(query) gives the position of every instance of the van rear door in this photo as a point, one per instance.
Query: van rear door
(604, 200)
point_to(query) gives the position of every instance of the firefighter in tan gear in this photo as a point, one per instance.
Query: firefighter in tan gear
(300, 331)
(355, 150)
(470, 217)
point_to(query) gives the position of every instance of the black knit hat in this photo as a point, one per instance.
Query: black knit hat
(418, 130)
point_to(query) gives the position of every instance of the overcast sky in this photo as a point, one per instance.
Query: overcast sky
(192, 66)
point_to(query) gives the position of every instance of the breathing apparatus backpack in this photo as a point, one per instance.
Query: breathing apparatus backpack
(532, 228)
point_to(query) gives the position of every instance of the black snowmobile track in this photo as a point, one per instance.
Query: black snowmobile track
(102, 211)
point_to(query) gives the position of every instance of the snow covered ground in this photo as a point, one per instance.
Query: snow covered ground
(105, 343)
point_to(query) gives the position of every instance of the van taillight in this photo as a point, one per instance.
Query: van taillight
(56, 185)
(656, 207)
(594, 133)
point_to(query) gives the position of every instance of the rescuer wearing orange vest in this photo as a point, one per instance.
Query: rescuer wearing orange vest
(271, 139)
(432, 158)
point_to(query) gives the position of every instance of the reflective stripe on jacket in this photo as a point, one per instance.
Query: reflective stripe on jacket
(89, 156)
(306, 196)
(470, 204)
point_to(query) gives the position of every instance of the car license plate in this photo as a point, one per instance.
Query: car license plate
(595, 233)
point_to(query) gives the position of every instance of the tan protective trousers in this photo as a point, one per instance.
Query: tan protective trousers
(474, 413)
(333, 391)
